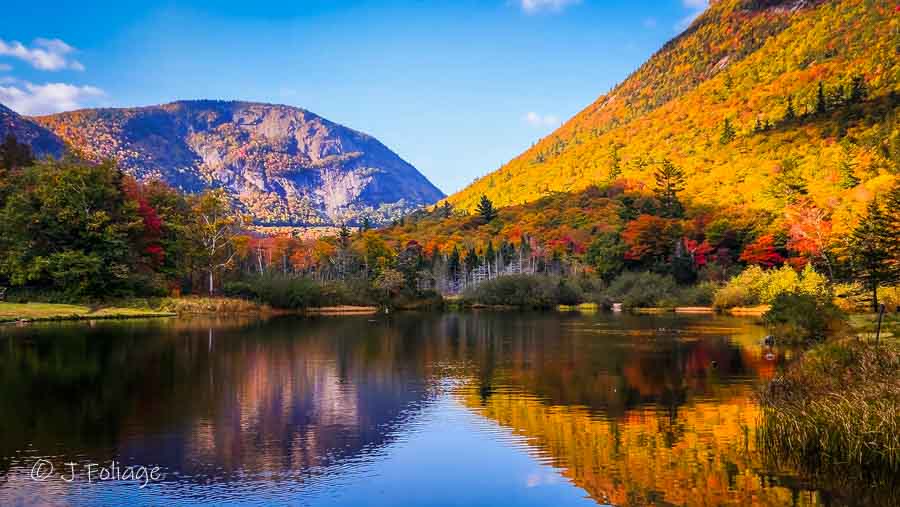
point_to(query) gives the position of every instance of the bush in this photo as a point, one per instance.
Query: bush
(288, 293)
(244, 290)
(756, 286)
(733, 295)
(635, 290)
(568, 293)
(697, 295)
(799, 317)
(353, 292)
(524, 291)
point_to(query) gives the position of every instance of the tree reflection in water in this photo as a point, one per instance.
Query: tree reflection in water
(631, 409)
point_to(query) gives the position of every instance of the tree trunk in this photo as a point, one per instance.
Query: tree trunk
(875, 296)
(210, 282)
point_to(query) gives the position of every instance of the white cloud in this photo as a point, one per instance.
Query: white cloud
(535, 6)
(31, 99)
(696, 7)
(44, 54)
(4, 67)
(539, 120)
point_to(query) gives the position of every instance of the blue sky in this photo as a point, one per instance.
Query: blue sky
(457, 88)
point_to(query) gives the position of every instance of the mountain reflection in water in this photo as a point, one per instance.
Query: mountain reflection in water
(417, 409)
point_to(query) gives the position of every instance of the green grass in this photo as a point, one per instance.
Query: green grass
(865, 324)
(47, 311)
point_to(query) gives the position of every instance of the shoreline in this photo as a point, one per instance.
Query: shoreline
(11, 313)
(175, 307)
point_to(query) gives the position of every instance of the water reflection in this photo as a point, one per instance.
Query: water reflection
(414, 409)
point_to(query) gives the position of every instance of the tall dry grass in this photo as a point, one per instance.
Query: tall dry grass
(837, 411)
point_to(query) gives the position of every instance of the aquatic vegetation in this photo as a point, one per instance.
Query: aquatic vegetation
(836, 412)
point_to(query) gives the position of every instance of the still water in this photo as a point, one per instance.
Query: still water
(508, 409)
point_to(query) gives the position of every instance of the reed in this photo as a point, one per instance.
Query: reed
(836, 411)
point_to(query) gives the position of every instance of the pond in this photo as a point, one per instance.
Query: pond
(474, 408)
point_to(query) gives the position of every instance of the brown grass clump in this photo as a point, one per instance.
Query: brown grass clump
(837, 412)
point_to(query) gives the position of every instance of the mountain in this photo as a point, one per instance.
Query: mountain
(42, 141)
(754, 92)
(283, 165)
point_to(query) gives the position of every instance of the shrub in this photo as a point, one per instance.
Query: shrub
(635, 290)
(244, 290)
(568, 293)
(756, 286)
(288, 293)
(799, 317)
(525, 291)
(701, 294)
(733, 295)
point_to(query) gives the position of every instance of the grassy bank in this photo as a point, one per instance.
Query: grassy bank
(10, 312)
(836, 412)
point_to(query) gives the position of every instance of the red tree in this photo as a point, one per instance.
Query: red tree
(762, 252)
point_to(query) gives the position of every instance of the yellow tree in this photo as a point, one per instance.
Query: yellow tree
(216, 224)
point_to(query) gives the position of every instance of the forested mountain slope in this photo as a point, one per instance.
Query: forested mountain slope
(758, 102)
(42, 141)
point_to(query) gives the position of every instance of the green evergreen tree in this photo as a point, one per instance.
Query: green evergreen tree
(788, 184)
(14, 154)
(728, 133)
(821, 102)
(869, 250)
(669, 182)
(486, 209)
(344, 236)
(453, 263)
(848, 178)
(789, 113)
(471, 260)
(490, 256)
(615, 164)
(858, 90)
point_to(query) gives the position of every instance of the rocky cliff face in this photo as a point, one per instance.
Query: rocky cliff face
(42, 141)
(283, 165)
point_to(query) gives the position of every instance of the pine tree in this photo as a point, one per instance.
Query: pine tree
(615, 161)
(471, 260)
(758, 127)
(821, 103)
(858, 91)
(870, 249)
(848, 178)
(14, 154)
(788, 184)
(344, 236)
(728, 133)
(453, 264)
(789, 113)
(669, 181)
(486, 209)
